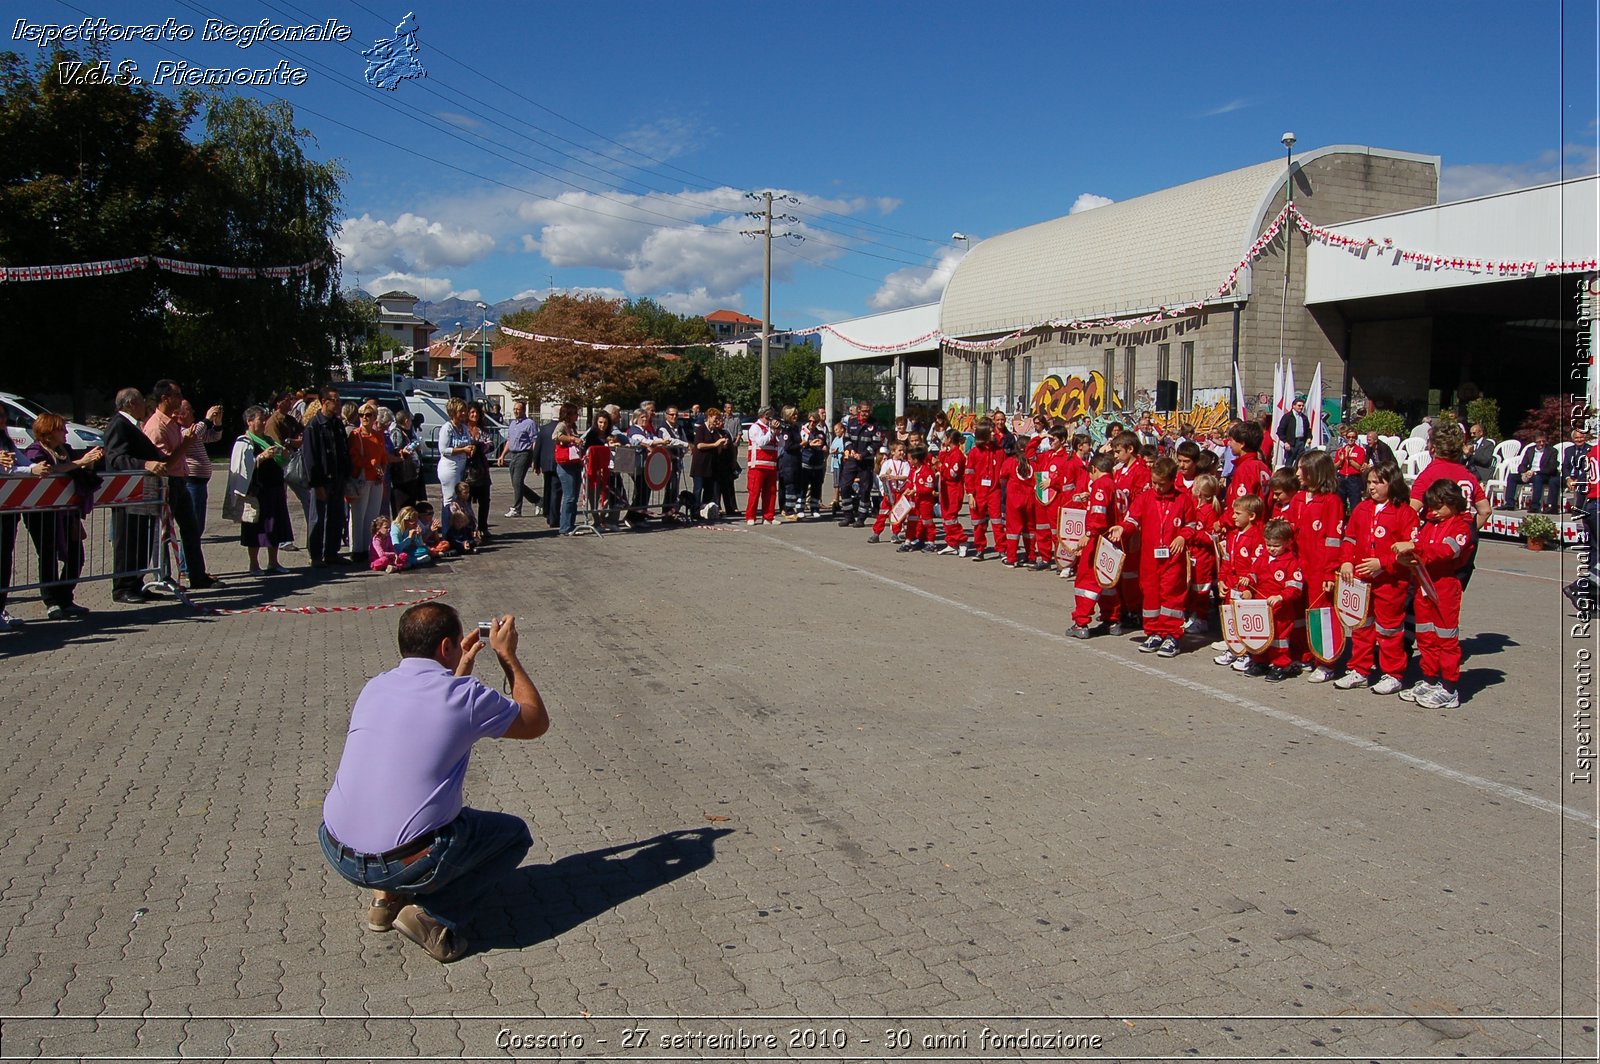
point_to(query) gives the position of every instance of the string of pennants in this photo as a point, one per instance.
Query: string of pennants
(109, 267)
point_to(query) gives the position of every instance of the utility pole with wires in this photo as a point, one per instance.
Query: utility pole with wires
(765, 232)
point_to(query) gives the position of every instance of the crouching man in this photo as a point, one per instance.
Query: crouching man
(393, 820)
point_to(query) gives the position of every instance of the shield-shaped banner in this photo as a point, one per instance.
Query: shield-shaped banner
(1325, 634)
(1230, 628)
(1352, 601)
(1253, 619)
(901, 509)
(1074, 524)
(1108, 562)
(1043, 490)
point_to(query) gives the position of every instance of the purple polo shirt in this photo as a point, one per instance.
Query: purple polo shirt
(405, 757)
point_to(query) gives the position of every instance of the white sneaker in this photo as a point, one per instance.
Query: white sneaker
(1438, 698)
(1241, 664)
(1221, 644)
(512, 513)
(1386, 685)
(9, 623)
(1351, 680)
(750, 524)
(1415, 692)
(947, 550)
(1320, 674)
(1227, 657)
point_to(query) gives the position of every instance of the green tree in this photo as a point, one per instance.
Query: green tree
(585, 375)
(115, 171)
(737, 380)
(794, 374)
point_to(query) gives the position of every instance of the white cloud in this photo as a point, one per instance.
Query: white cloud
(1230, 106)
(410, 242)
(916, 284)
(471, 293)
(698, 301)
(1485, 179)
(532, 293)
(431, 289)
(1088, 201)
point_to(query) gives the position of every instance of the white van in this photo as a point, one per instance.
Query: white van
(19, 424)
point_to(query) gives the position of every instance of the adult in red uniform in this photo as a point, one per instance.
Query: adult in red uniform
(762, 465)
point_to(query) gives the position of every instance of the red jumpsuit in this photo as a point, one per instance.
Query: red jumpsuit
(1279, 574)
(1067, 478)
(983, 480)
(1444, 548)
(1319, 540)
(1164, 573)
(920, 527)
(1021, 511)
(952, 470)
(1372, 532)
(1250, 477)
(1203, 561)
(1129, 481)
(762, 481)
(1086, 589)
(1240, 547)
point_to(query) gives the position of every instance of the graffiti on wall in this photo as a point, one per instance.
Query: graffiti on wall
(1074, 396)
(1199, 420)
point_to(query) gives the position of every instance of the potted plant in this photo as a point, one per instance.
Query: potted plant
(1538, 530)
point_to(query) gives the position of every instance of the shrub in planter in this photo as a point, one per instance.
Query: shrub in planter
(1537, 528)
(1485, 412)
(1383, 422)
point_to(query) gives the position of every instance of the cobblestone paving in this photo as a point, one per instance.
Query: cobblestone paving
(798, 783)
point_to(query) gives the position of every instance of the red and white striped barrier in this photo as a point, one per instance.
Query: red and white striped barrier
(18, 493)
(428, 595)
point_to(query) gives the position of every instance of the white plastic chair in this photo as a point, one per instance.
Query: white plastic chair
(1500, 484)
(1393, 442)
(1420, 432)
(1508, 449)
(1411, 445)
(1411, 465)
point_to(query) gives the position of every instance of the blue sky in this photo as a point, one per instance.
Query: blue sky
(893, 124)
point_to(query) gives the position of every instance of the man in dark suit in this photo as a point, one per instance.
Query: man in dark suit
(1540, 470)
(1294, 431)
(1480, 455)
(1575, 466)
(544, 448)
(133, 536)
(328, 467)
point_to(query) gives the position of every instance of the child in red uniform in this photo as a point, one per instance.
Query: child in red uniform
(952, 488)
(1166, 521)
(1240, 548)
(983, 482)
(1020, 507)
(1382, 520)
(1277, 577)
(1319, 538)
(1128, 480)
(1207, 491)
(1444, 545)
(892, 476)
(1187, 455)
(1281, 491)
(1086, 589)
(921, 488)
(1250, 474)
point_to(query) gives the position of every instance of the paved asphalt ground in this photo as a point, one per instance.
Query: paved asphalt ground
(866, 804)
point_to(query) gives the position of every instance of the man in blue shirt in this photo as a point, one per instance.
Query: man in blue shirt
(521, 435)
(394, 820)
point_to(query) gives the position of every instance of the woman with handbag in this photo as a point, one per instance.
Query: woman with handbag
(58, 534)
(569, 466)
(406, 487)
(258, 497)
(477, 474)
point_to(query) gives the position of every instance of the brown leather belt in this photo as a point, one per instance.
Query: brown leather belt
(408, 854)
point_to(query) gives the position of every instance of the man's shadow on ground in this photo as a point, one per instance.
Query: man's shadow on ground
(525, 906)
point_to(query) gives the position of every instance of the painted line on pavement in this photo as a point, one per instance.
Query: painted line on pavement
(1488, 786)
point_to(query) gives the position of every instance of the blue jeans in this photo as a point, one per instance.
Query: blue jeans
(467, 843)
(569, 474)
(199, 494)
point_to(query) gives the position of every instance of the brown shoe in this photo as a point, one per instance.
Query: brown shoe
(438, 939)
(382, 911)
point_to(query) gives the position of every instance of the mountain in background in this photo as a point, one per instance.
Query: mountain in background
(447, 312)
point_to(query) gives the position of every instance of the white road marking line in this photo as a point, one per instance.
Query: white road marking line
(1525, 576)
(1488, 786)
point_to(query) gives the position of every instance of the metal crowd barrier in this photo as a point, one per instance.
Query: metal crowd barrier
(631, 480)
(43, 517)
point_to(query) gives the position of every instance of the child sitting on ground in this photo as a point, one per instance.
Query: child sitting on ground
(406, 536)
(384, 557)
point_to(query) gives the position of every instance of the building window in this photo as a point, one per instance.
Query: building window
(1186, 374)
(1027, 379)
(1111, 373)
(1163, 362)
(1011, 382)
(1129, 357)
(988, 384)
(972, 385)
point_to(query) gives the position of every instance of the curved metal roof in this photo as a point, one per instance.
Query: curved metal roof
(1165, 248)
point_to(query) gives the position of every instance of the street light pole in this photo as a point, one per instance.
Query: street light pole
(766, 306)
(1288, 244)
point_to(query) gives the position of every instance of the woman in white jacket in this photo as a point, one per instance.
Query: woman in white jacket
(455, 444)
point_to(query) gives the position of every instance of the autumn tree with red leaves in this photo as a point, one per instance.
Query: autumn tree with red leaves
(569, 371)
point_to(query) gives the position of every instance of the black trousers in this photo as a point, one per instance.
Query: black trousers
(855, 488)
(789, 484)
(552, 498)
(327, 524)
(8, 553)
(1350, 492)
(133, 537)
(811, 487)
(55, 536)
